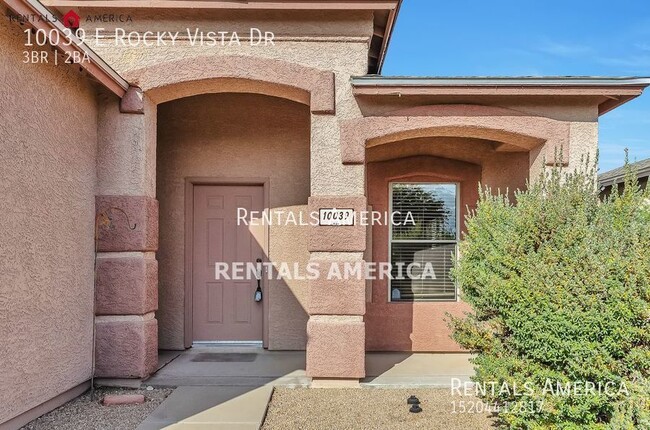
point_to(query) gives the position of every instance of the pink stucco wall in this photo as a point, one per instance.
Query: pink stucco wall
(47, 188)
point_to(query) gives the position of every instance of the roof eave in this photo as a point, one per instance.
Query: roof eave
(96, 67)
(477, 81)
(616, 91)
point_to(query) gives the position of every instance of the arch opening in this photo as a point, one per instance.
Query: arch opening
(217, 74)
(229, 152)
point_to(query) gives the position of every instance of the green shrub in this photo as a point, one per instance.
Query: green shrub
(560, 289)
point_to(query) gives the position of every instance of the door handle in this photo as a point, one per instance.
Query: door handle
(258, 291)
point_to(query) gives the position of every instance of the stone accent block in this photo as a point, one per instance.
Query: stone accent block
(123, 399)
(338, 238)
(116, 233)
(127, 285)
(335, 347)
(337, 296)
(133, 101)
(127, 347)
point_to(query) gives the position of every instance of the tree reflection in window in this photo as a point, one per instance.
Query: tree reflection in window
(432, 208)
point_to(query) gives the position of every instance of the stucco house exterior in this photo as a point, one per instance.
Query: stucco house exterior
(156, 147)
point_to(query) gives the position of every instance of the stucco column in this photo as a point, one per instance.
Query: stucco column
(335, 330)
(127, 238)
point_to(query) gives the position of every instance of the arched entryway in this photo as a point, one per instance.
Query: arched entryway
(222, 159)
(217, 100)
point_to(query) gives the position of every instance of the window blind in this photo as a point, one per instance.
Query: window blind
(423, 241)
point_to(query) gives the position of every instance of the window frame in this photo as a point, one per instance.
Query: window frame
(390, 237)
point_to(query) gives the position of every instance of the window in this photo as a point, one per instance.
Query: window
(424, 238)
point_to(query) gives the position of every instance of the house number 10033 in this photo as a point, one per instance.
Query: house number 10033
(335, 216)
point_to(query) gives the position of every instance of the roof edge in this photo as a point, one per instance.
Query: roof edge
(390, 26)
(615, 91)
(230, 4)
(96, 67)
(617, 175)
(619, 179)
(409, 81)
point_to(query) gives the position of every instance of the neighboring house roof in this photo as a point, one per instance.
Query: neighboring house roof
(96, 67)
(610, 92)
(617, 175)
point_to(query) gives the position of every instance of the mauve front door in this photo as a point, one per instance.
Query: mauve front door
(225, 309)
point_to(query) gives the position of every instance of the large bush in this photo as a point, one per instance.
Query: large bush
(559, 284)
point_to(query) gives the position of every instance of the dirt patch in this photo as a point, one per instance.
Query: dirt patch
(84, 413)
(371, 408)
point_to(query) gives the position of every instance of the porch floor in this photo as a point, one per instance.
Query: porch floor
(255, 367)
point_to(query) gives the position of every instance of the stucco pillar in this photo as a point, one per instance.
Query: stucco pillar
(126, 294)
(335, 330)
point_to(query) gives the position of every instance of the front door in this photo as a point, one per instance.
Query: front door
(225, 309)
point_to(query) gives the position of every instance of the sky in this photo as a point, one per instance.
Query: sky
(534, 38)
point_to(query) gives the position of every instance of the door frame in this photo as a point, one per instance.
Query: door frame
(190, 182)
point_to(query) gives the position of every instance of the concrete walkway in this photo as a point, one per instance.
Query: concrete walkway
(211, 407)
(404, 369)
(229, 387)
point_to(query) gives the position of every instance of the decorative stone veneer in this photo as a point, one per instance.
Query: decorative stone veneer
(336, 296)
(336, 331)
(127, 237)
(126, 346)
(336, 347)
(127, 223)
(126, 285)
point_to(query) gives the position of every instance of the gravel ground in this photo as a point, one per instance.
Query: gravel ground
(85, 414)
(369, 408)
